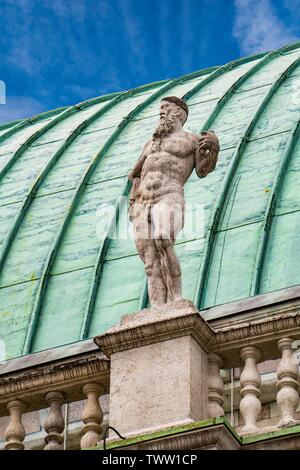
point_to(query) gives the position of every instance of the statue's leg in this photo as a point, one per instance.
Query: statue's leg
(156, 287)
(148, 253)
(167, 218)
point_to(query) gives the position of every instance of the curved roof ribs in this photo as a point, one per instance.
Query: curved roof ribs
(270, 209)
(114, 99)
(219, 206)
(65, 112)
(220, 71)
(33, 137)
(45, 171)
(207, 125)
(103, 249)
(78, 192)
(20, 124)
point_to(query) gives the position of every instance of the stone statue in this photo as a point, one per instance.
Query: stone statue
(157, 198)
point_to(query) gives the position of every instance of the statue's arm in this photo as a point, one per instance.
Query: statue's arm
(206, 153)
(137, 169)
(134, 176)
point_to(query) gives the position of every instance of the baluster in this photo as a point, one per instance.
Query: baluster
(54, 424)
(15, 431)
(92, 416)
(250, 406)
(215, 386)
(288, 376)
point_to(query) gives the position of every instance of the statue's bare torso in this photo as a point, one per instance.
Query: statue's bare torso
(167, 169)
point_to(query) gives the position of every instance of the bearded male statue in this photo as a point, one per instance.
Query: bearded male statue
(157, 197)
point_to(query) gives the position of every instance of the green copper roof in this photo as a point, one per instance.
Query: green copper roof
(60, 282)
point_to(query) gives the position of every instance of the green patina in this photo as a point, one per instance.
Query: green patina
(284, 432)
(171, 431)
(60, 283)
(200, 425)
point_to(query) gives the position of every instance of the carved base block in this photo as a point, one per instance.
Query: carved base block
(159, 375)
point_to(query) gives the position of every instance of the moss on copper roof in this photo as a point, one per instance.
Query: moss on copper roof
(60, 283)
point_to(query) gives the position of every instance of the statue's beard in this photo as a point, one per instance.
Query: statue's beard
(165, 126)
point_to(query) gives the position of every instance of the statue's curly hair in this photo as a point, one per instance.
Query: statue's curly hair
(179, 102)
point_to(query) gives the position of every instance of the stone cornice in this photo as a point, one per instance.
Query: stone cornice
(182, 318)
(287, 323)
(48, 356)
(264, 332)
(254, 306)
(214, 433)
(150, 326)
(216, 437)
(68, 376)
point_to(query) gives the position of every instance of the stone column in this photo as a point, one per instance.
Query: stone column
(159, 368)
(54, 424)
(288, 388)
(215, 386)
(15, 431)
(250, 406)
(92, 415)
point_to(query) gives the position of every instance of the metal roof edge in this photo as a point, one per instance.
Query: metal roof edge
(34, 118)
(88, 345)
(10, 124)
(48, 355)
(251, 303)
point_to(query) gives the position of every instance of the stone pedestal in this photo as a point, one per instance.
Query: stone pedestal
(158, 368)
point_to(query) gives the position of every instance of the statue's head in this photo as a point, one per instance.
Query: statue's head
(172, 111)
(172, 105)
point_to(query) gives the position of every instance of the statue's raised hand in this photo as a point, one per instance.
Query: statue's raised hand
(208, 151)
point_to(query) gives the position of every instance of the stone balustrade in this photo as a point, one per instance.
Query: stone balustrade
(51, 386)
(287, 396)
(204, 351)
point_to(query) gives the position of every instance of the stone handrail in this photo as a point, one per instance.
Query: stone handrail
(88, 375)
(245, 345)
(50, 386)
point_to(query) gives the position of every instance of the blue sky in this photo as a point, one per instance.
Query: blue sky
(59, 52)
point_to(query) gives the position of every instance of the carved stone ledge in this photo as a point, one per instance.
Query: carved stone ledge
(69, 376)
(214, 437)
(181, 318)
(265, 332)
(285, 443)
(149, 326)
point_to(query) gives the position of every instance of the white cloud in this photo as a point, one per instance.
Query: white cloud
(25, 40)
(165, 45)
(134, 35)
(18, 107)
(186, 37)
(76, 9)
(258, 28)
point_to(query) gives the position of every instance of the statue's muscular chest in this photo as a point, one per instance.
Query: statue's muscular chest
(178, 145)
(173, 157)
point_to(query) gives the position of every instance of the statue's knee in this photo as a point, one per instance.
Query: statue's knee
(164, 241)
(148, 268)
(152, 268)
